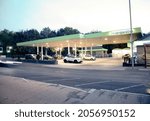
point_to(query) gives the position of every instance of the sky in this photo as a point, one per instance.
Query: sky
(84, 15)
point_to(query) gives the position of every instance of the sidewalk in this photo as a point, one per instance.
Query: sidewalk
(15, 90)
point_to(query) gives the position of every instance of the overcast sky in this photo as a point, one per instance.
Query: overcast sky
(84, 15)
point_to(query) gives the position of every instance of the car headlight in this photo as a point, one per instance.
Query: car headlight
(148, 91)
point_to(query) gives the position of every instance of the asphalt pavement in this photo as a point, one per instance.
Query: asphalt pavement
(85, 77)
(14, 90)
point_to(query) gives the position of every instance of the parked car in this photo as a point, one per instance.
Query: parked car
(148, 87)
(89, 57)
(72, 59)
(47, 57)
(30, 57)
(126, 58)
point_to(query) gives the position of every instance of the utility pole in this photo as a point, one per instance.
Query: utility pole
(131, 36)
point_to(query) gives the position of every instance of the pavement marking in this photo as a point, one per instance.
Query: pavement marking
(69, 79)
(132, 93)
(63, 79)
(78, 85)
(78, 89)
(10, 62)
(91, 90)
(26, 80)
(145, 69)
(119, 89)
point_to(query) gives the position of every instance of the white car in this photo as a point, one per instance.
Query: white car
(148, 87)
(72, 59)
(89, 57)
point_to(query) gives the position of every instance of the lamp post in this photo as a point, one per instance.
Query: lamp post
(131, 37)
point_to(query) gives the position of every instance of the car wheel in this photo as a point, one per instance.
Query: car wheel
(75, 61)
(65, 61)
(92, 59)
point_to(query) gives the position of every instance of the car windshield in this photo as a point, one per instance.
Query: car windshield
(87, 55)
(71, 56)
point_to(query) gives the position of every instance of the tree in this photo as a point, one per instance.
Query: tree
(9, 38)
(31, 34)
(70, 30)
(47, 32)
(67, 31)
(6, 39)
(27, 35)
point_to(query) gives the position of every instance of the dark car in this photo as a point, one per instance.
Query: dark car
(30, 57)
(126, 58)
(47, 57)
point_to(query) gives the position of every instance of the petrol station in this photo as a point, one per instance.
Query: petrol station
(83, 41)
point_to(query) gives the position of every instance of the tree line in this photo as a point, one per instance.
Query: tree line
(10, 38)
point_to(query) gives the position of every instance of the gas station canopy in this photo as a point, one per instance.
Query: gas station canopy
(85, 40)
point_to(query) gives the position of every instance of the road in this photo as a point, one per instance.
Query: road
(131, 81)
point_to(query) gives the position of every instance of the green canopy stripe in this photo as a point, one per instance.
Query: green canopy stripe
(80, 37)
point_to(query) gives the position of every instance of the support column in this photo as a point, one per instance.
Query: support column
(145, 56)
(68, 49)
(75, 50)
(91, 51)
(37, 50)
(42, 52)
(46, 51)
(82, 52)
(56, 52)
(85, 50)
(60, 51)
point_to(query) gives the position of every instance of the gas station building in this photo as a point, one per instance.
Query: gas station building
(84, 41)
